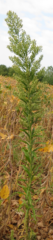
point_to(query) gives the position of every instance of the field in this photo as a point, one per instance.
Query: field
(12, 224)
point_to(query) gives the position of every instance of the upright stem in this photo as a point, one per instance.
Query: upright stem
(30, 170)
(27, 226)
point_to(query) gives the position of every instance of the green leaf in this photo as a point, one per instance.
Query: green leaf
(27, 170)
(24, 188)
(26, 154)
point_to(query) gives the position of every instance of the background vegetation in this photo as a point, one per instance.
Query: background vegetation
(6, 71)
(43, 75)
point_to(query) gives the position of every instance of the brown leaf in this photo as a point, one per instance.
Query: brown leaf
(51, 231)
(11, 226)
(14, 203)
(39, 237)
(51, 170)
(42, 192)
(40, 224)
(35, 197)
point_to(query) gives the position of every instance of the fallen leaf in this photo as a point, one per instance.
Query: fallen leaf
(5, 103)
(51, 170)
(50, 148)
(40, 224)
(11, 226)
(51, 231)
(4, 193)
(35, 197)
(11, 136)
(3, 135)
(20, 201)
(39, 237)
(42, 191)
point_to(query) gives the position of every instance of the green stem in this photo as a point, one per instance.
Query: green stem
(27, 226)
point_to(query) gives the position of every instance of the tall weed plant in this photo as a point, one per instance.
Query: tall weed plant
(26, 67)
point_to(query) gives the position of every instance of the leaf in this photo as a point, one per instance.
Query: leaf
(41, 149)
(26, 154)
(27, 170)
(35, 197)
(24, 188)
(51, 170)
(26, 132)
(47, 142)
(20, 201)
(4, 193)
(48, 148)
(5, 103)
(3, 135)
(20, 195)
(40, 224)
(11, 226)
(11, 136)
(42, 192)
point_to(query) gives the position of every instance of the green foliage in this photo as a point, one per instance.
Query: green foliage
(6, 71)
(26, 67)
(10, 71)
(24, 49)
(49, 75)
(41, 74)
(46, 75)
(3, 70)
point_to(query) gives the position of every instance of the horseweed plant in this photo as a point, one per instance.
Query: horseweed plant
(26, 67)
